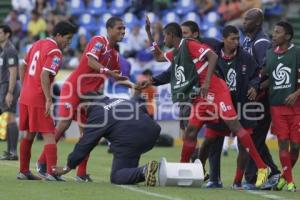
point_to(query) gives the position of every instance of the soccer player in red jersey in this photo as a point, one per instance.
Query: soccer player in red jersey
(37, 73)
(99, 59)
(283, 68)
(192, 61)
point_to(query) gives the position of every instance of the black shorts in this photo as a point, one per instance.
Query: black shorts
(3, 93)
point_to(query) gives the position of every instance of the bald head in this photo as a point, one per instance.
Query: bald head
(253, 20)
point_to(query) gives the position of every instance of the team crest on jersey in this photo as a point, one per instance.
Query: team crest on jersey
(97, 47)
(201, 50)
(210, 97)
(67, 105)
(55, 63)
(231, 79)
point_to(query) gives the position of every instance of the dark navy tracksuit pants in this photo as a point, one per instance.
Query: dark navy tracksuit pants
(129, 139)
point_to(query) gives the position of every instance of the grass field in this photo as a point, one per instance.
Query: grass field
(99, 168)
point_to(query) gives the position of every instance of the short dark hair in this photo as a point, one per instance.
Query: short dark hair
(6, 29)
(111, 22)
(288, 28)
(192, 25)
(64, 28)
(228, 30)
(173, 28)
(147, 72)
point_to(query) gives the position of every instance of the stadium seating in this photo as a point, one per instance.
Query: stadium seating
(77, 7)
(88, 22)
(185, 6)
(170, 17)
(96, 7)
(130, 20)
(118, 7)
(192, 16)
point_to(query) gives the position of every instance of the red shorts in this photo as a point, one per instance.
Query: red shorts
(33, 119)
(213, 133)
(285, 127)
(69, 104)
(216, 105)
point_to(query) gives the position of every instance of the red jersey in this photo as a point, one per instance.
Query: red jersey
(43, 55)
(85, 79)
(197, 52)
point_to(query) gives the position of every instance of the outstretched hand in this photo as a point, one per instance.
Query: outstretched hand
(143, 84)
(116, 75)
(60, 170)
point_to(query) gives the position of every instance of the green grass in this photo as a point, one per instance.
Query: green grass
(99, 168)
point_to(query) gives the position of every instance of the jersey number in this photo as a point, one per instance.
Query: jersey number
(32, 67)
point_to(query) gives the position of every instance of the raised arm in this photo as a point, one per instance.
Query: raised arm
(157, 52)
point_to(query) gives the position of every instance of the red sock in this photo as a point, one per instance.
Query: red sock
(42, 159)
(51, 156)
(239, 173)
(285, 160)
(25, 154)
(248, 144)
(294, 158)
(81, 170)
(188, 149)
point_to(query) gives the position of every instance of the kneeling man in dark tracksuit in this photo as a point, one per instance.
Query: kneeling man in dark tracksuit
(130, 130)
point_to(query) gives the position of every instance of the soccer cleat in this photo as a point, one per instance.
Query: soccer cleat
(249, 186)
(27, 176)
(291, 187)
(41, 169)
(271, 183)
(237, 186)
(214, 184)
(85, 178)
(150, 170)
(52, 177)
(9, 156)
(262, 176)
(281, 184)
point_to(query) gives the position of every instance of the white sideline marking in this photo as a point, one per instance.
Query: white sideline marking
(265, 195)
(149, 193)
(131, 188)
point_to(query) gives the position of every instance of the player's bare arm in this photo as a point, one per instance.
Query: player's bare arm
(158, 54)
(11, 85)
(46, 86)
(212, 60)
(94, 64)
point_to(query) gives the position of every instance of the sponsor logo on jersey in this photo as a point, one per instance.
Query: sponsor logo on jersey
(281, 74)
(55, 63)
(97, 47)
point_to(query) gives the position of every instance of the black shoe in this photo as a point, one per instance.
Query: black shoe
(85, 178)
(27, 176)
(9, 156)
(13, 156)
